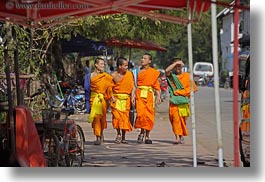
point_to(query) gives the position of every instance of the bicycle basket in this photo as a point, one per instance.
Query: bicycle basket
(50, 117)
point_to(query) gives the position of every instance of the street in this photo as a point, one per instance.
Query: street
(163, 153)
(206, 121)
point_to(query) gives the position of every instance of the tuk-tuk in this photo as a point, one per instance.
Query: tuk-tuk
(244, 126)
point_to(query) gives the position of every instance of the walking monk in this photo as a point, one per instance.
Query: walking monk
(123, 97)
(101, 91)
(147, 84)
(178, 113)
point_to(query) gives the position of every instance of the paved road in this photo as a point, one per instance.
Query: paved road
(163, 153)
(206, 121)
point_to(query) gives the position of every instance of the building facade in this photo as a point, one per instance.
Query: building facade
(226, 16)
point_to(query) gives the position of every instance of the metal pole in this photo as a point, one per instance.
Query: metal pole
(192, 95)
(235, 85)
(216, 84)
(10, 116)
(18, 90)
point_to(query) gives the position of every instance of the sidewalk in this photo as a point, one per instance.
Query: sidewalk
(162, 153)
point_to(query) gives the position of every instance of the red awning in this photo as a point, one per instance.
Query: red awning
(45, 12)
(140, 44)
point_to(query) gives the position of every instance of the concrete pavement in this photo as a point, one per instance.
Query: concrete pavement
(162, 153)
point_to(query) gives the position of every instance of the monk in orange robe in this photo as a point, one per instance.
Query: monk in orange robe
(147, 84)
(101, 91)
(178, 114)
(123, 97)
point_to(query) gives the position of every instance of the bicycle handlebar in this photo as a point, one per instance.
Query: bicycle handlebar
(68, 111)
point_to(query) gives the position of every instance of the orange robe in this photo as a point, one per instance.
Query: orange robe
(120, 118)
(100, 84)
(145, 107)
(178, 122)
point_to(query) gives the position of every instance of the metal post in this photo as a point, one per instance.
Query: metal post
(235, 85)
(10, 116)
(216, 84)
(192, 95)
(18, 91)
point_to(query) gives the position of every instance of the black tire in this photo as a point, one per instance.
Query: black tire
(75, 156)
(51, 149)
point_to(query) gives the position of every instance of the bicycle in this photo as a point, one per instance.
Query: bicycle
(72, 140)
(62, 139)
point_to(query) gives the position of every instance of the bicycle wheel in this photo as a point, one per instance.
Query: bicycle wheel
(75, 156)
(51, 149)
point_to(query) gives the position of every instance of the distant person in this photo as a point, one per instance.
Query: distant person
(87, 77)
(147, 84)
(101, 91)
(178, 114)
(87, 68)
(123, 97)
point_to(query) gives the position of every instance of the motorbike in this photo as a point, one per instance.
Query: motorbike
(163, 87)
(203, 80)
(73, 97)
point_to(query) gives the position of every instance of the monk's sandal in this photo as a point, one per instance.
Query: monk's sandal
(140, 138)
(148, 141)
(118, 139)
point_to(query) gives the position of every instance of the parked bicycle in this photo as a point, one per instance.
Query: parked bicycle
(62, 139)
(72, 142)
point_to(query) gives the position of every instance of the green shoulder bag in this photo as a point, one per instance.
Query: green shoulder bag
(176, 99)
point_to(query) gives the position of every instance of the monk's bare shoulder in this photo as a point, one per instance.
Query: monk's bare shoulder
(93, 74)
(114, 74)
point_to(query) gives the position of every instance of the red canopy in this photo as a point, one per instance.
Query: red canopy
(46, 12)
(140, 44)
